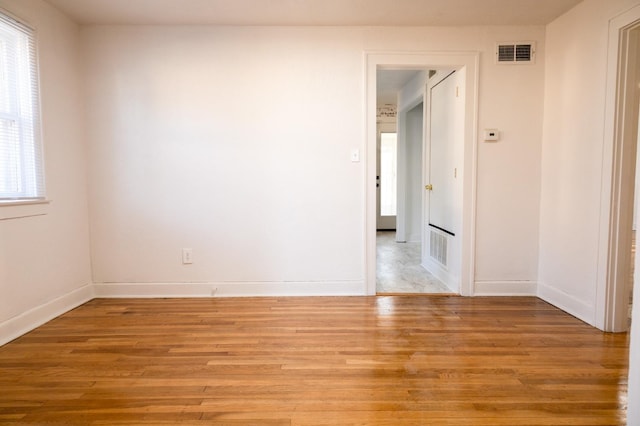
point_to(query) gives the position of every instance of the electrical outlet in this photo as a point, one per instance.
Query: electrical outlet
(187, 256)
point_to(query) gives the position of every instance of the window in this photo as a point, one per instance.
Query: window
(21, 169)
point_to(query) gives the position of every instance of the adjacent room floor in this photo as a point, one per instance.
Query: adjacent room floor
(398, 268)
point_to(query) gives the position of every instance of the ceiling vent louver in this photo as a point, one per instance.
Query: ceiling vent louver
(515, 53)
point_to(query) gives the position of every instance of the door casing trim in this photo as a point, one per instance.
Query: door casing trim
(610, 313)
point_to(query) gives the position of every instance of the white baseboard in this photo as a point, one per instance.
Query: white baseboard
(230, 289)
(119, 290)
(35, 317)
(567, 303)
(505, 288)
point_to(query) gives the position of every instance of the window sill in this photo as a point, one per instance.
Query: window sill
(23, 208)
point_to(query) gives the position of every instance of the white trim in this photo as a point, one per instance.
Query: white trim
(23, 208)
(19, 20)
(22, 202)
(568, 303)
(506, 288)
(608, 293)
(229, 289)
(35, 317)
(423, 60)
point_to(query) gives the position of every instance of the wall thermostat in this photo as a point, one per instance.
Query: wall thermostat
(491, 135)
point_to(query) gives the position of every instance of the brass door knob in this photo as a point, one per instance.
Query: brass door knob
(428, 187)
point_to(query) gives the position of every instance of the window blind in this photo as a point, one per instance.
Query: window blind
(21, 163)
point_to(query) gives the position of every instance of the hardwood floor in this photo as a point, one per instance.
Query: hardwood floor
(389, 360)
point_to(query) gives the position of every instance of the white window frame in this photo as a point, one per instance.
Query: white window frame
(21, 154)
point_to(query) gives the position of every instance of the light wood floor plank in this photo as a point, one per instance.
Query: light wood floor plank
(389, 360)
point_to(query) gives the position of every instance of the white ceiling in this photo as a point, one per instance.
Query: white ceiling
(389, 83)
(315, 12)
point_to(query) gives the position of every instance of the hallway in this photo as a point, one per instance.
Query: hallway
(398, 268)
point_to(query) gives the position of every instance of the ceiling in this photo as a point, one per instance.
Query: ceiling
(315, 12)
(389, 83)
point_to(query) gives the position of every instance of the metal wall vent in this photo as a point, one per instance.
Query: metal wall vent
(515, 53)
(438, 247)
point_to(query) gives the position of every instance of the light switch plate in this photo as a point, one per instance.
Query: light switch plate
(187, 256)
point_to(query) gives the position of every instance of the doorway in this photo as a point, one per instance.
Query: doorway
(468, 63)
(404, 163)
(615, 285)
(399, 182)
(387, 176)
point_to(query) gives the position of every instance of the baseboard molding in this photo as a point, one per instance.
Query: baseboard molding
(35, 317)
(230, 289)
(571, 305)
(505, 288)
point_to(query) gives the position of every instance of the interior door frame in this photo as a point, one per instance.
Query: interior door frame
(611, 309)
(609, 291)
(423, 60)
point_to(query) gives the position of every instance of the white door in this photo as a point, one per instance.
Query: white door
(442, 156)
(443, 180)
(387, 177)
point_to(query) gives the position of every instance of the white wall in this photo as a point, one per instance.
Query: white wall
(411, 105)
(413, 171)
(44, 260)
(509, 170)
(236, 142)
(572, 150)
